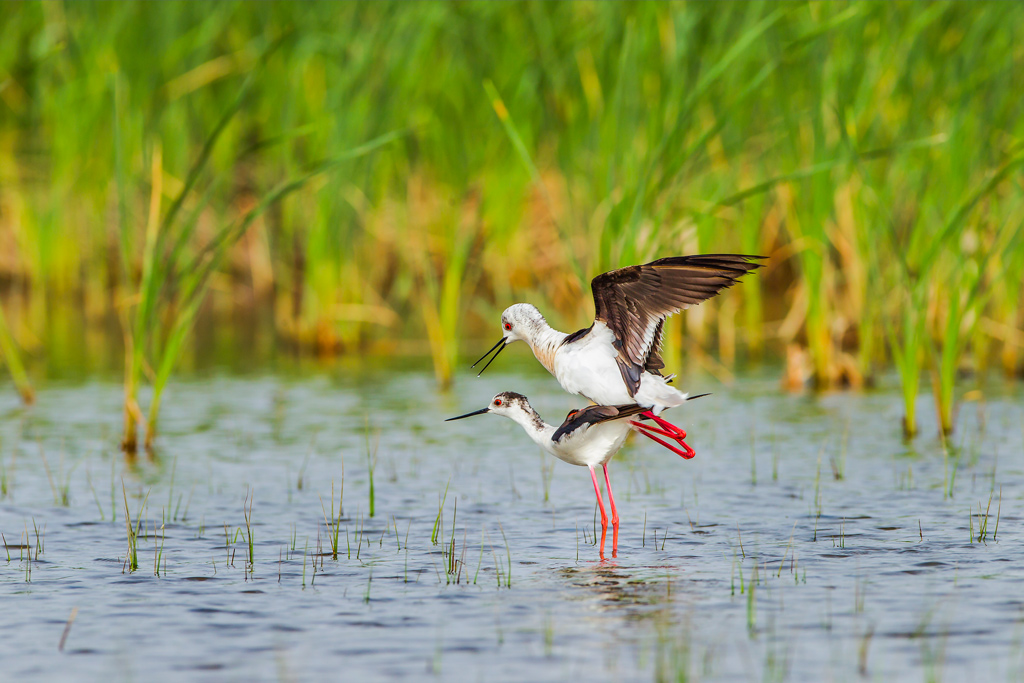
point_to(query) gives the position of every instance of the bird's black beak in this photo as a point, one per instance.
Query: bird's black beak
(496, 349)
(475, 412)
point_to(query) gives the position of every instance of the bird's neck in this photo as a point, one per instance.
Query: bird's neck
(544, 342)
(538, 430)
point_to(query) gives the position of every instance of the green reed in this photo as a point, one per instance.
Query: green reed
(11, 357)
(175, 274)
(871, 149)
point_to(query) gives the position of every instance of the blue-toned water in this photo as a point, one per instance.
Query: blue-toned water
(806, 541)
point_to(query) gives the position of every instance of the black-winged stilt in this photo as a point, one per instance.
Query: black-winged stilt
(588, 437)
(617, 360)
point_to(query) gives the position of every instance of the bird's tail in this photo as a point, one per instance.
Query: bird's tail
(659, 395)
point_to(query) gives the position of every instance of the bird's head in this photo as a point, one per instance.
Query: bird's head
(518, 321)
(521, 321)
(509, 404)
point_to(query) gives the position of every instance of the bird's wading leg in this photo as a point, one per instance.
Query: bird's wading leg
(600, 503)
(615, 512)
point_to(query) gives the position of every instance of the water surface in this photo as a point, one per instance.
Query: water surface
(805, 541)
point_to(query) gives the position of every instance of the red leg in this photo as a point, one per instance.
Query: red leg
(677, 436)
(671, 431)
(600, 504)
(615, 513)
(655, 430)
(664, 424)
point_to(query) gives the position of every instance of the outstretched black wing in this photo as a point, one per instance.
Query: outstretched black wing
(634, 302)
(585, 418)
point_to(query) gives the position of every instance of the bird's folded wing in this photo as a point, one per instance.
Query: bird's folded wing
(585, 418)
(633, 302)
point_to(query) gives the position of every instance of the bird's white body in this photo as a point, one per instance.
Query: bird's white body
(587, 366)
(589, 447)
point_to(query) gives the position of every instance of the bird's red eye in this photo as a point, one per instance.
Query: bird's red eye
(497, 401)
(508, 326)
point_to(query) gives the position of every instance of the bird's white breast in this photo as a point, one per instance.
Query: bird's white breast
(593, 446)
(587, 367)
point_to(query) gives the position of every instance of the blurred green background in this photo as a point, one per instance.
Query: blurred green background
(185, 180)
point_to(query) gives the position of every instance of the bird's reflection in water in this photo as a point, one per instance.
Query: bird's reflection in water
(616, 587)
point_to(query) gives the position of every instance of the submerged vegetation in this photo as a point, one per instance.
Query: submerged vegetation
(163, 163)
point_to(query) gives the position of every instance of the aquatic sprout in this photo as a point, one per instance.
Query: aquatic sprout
(228, 554)
(158, 550)
(333, 523)
(999, 511)
(305, 552)
(28, 558)
(250, 496)
(842, 535)
(67, 629)
(359, 535)
(371, 462)
(133, 530)
(398, 539)
(480, 561)
(497, 567)
(170, 490)
(983, 518)
(40, 536)
(508, 552)
(751, 603)
(789, 547)
(449, 553)
(440, 508)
